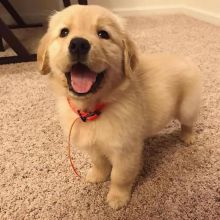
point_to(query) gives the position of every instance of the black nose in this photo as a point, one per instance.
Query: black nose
(79, 46)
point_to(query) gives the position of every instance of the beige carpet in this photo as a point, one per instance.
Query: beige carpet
(177, 182)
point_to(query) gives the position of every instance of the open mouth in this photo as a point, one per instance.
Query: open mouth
(82, 80)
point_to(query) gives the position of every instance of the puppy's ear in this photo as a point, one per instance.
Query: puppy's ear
(130, 56)
(42, 55)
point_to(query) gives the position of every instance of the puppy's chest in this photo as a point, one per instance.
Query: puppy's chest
(84, 136)
(97, 134)
(89, 134)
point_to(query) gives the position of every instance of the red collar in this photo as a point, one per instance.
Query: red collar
(86, 116)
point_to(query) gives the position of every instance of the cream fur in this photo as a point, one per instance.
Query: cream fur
(142, 92)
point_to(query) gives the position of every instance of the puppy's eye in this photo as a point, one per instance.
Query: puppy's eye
(64, 32)
(103, 34)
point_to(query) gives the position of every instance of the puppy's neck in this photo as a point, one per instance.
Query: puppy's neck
(86, 105)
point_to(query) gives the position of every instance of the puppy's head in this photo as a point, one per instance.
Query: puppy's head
(87, 51)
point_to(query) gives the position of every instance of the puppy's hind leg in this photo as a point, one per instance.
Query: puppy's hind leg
(189, 109)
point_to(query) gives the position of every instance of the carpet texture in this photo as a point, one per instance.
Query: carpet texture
(177, 182)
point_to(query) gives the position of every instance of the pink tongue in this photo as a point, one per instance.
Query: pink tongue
(82, 78)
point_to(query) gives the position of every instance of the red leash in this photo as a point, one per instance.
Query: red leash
(84, 116)
(69, 149)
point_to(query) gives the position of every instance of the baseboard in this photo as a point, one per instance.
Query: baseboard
(203, 15)
(145, 11)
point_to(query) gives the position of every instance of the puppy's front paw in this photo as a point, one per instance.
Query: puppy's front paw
(96, 176)
(188, 139)
(187, 135)
(117, 199)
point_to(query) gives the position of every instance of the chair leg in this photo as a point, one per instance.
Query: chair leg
(1, 44)
(12, 40)
(83, 2)
(13, 12)
(66, 3)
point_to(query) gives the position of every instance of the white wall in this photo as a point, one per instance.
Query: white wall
(37, 10)
(143, 7)
(207, 10)
(119, 4)
(210, 6)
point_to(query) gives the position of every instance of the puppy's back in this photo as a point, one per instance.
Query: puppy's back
(169, 81)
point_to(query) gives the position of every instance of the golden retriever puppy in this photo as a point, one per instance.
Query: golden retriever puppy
(121, 95)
